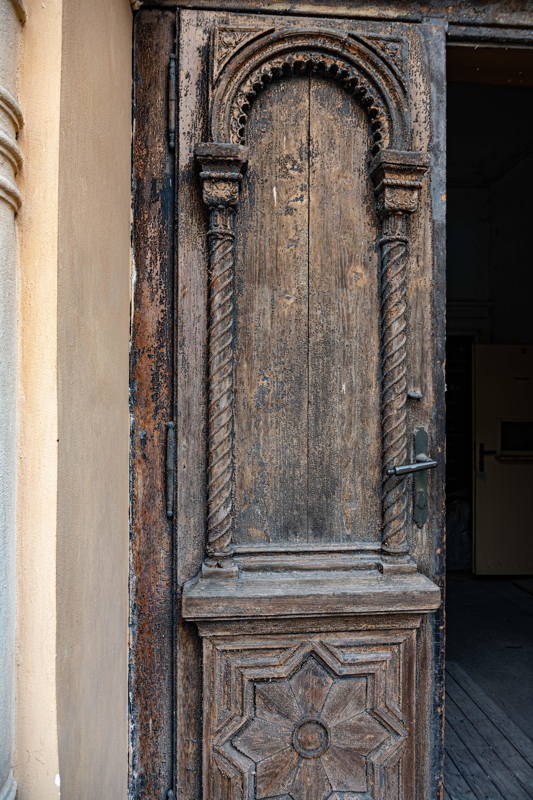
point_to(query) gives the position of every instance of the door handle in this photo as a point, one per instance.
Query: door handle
(482, 454)
(422, 462)
(420, 466)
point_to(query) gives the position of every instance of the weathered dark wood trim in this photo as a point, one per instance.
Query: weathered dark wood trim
(472, 13)
(491, 35)
(152, 611)
(436, 56)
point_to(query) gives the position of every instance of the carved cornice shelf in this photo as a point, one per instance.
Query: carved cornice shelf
(317, 594)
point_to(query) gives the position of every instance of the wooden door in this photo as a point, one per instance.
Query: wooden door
(503, 424)
(308, 370)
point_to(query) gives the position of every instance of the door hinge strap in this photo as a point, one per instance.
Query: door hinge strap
(171, 103)
(171, 467)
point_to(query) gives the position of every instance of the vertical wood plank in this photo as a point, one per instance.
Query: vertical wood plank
(191, 372)
(151, 681)
(272, 310)
(344, 423)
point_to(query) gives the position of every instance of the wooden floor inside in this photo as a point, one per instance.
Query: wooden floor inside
(487, 756)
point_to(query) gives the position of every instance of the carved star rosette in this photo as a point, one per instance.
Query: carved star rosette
(332, 717)
(313, 737)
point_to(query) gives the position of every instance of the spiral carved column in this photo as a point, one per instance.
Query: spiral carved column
(397, 180)
(222, 166)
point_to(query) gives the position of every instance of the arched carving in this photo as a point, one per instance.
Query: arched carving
(396, 173)
(345, 58)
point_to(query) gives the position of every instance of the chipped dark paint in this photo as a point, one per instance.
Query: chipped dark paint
(151, 678)
(434, 54)
(461, 12)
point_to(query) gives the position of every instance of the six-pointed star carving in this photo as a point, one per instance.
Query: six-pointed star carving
(310, 735)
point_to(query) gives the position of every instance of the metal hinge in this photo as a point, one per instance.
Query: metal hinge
(170, 465)
(171, 103)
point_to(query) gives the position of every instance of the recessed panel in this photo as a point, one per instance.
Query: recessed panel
(307, 430)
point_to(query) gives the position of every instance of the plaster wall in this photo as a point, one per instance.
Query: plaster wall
(10, 120)
(93, 416)
(74, 230)
(36, 765)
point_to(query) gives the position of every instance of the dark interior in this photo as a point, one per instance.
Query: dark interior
(490, 290)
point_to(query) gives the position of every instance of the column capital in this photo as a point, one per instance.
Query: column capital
(397, 178)
(222, 167)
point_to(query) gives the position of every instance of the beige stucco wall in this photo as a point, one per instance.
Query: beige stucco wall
(36, 765)
(74, 230)
(93, 335)
(10, 160)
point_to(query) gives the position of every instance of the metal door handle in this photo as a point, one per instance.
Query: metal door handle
(422, 462)
(482, 454)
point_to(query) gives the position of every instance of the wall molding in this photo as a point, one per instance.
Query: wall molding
(10, 107)
(10, 194)
(11, 121)
(9, 789)
(10, 150)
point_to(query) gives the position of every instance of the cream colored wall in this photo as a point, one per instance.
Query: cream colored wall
(93, 335)
(10, 159)
(36, 765)
(73, 476)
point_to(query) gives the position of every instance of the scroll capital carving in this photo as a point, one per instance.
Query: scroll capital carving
(397, 178)
(222, 168)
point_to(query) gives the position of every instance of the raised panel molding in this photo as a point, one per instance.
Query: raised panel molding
(245, 62)
(326, 716)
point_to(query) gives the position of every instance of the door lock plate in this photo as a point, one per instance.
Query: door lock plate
(420, 484)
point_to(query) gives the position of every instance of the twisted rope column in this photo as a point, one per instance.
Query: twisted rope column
(393, 319)
(397, 180)
(222, 168)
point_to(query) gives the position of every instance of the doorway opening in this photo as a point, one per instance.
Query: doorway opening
(489, 729)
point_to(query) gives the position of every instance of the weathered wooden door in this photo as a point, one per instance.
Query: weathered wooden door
(309, 406)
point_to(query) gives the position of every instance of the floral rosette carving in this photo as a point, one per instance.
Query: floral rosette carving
(311, 736)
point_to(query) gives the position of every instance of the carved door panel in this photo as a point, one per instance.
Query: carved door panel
(309, 392)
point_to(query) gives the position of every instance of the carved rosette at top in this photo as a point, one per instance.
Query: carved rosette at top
(222, 166)
(397, 181)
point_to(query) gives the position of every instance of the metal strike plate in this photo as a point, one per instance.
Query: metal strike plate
(420, 488)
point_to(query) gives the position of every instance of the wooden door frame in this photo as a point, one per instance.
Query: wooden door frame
(154, 602)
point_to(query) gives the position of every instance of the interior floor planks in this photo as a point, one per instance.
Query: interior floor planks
(487, 756)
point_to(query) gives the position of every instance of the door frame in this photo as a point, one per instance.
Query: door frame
(154, 602)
